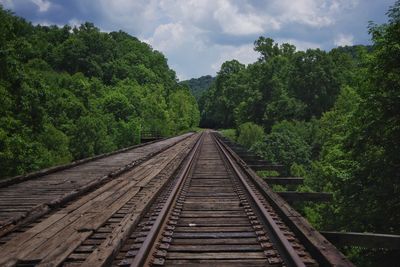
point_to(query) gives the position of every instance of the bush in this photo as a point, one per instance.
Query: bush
(229, 133)
(249, 134)
(286, 144)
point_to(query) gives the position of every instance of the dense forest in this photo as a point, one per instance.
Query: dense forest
(198, 86)
(69, 93)
(331, 117)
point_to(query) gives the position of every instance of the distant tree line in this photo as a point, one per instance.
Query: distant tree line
(198, 86)
(332, 117)
(69, 93)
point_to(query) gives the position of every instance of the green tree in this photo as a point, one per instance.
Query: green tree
(287, 143)
(68, 93)
(375, 138)
(314, 80)
(249, 134)
(117, 104)
(89, 137)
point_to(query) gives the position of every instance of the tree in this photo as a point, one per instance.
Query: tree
(314, 81)
(118, 105)
(287, 143)
(375, 139)
(69, 93)
(249, 134)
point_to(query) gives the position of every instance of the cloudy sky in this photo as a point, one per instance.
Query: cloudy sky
(197, 36)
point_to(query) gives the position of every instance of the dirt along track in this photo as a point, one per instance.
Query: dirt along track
(192, 204)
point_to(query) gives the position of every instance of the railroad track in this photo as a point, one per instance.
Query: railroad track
(212, 215)
(25, 198)
(192, 204)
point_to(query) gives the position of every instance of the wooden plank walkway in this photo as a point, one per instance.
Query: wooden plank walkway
(20, 199)
(53, 239)
(192, 202)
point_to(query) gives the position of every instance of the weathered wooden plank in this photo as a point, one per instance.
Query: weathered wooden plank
(214, 235)
(211, 206)
(72, 236)
(256, 161)
(212, 221)
(219, 263)
(284, 180)
(221, 229)
(61, 184)
(57, 256)
(85, 248)
(215, 248)
(306, 196)
(212, 213)
(367, 240)
(193, 194)
(267, 167)
(101, 255)
(214, 241)
(216, 255)
(56, 223)
(249, 157)
(51, 170)
(52, 240)
(314, 242)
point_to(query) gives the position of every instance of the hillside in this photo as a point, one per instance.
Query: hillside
(69, 93)
(199, 85)
(330, 117)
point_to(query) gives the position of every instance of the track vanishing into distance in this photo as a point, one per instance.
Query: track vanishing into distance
(183, 201)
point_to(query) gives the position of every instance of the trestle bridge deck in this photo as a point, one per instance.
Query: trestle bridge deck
(183, 201)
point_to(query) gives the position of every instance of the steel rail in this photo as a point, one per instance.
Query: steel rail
(286, 248)
(142, 257)
(7, 181)
(44, 208)
(319, 247)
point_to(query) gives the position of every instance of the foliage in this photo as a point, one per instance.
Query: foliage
(198, 86)
(249, 134)
(68, 93)
(359, 160)
(229, 133)
(332, 117)
(287, 143)
(184, 111)
(284, 84)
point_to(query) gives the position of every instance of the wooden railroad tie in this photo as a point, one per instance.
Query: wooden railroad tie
(284, 180)
(306, 196)
(366, 240)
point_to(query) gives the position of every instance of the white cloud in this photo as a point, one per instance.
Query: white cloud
(308, 12)
(193, 11)
(236, 23)
(75, 22)
(244, 54)
(340, 5)
(43, 5)
(167, 36)
(344, 39)
(312, 13)
(233, 18)
(7, 4)
(197, 36)
(136, 17)
(198, 29)
(300, 45)
(46, 23)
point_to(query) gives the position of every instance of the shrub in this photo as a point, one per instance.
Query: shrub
(249, 134)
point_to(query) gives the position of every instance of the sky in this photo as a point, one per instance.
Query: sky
(197, 36)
